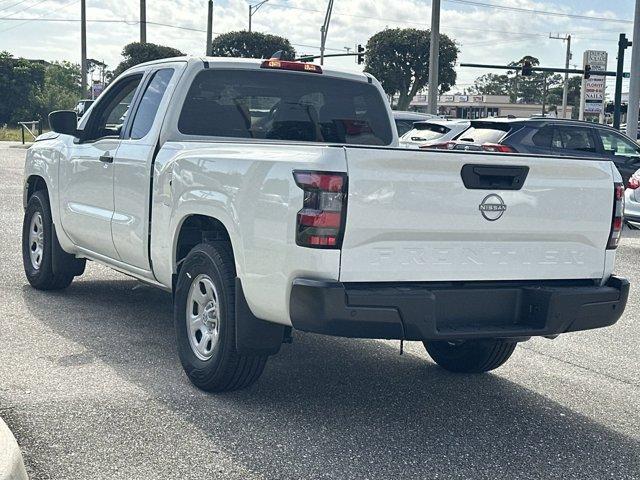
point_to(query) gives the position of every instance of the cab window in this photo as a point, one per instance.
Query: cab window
(110, 113)
(150, 102)
(277, 105)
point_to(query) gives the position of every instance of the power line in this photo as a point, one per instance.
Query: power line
(13, 5)
(538, 12)
(39, 18)
(137, 22)
(443, 27)
(23, 10)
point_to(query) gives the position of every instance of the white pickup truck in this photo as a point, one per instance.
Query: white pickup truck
(271, 195)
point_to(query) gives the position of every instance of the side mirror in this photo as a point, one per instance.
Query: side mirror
(64, 121)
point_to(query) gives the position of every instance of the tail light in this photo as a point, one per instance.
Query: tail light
(496, 147)
(320, 223)
(617, 219)
(440, 146)
(634, 182)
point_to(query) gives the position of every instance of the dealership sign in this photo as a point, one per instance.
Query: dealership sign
(593, 88)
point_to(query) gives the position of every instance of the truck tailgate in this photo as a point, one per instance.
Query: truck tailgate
(410, 217)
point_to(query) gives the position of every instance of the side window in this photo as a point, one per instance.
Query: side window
(543, 137)
(615, 144)
(575, 138)
(150, 102)
(110, 113)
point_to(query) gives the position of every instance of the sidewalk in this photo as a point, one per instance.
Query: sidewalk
(9, 144)
(11, 464)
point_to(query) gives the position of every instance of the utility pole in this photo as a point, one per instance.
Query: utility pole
(634, 85)
(434, 57)
(143, 21)
(324, 30)
(544, 94)
(209, 49)
(83, 46)
(623, 44)
(565, 89)
(253, 9)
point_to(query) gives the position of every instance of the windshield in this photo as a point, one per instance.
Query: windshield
(285, 106)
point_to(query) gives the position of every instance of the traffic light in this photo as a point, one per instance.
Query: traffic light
(526, 69)
(360, 56)
(587, 71)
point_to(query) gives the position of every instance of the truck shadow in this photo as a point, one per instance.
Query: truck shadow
(338, 408)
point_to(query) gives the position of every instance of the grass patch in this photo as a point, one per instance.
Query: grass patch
(13, 134)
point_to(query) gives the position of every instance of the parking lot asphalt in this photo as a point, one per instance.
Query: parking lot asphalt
(92, 388)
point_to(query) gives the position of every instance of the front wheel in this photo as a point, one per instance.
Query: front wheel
(470, 356)
(46, 265)
(204, 317)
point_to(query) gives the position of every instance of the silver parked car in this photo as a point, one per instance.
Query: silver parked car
(632, 201)
(405, 120)
(431, 132)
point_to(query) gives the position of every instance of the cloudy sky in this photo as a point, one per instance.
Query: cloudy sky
(494, 31)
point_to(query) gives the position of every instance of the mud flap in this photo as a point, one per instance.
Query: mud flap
(63, 262)
(254, 336)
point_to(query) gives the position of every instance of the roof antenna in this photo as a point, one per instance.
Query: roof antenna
(277, 55)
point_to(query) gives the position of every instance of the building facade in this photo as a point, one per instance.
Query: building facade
(480, 106)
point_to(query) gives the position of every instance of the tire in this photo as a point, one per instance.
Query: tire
(40, 248)
(472, 356)
(204, 304)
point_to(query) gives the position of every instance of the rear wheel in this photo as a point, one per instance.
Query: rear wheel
(40, 248)
(204, 317)
(470, 356)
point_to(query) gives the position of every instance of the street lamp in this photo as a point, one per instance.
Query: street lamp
(253, 9)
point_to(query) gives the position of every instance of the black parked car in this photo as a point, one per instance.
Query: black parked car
(550, 136)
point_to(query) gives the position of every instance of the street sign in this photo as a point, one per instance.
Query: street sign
(593, 88)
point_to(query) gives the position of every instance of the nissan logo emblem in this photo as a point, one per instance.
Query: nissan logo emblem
(492, 207)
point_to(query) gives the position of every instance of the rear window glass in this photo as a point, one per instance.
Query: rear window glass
(482, 135)
(425, 131)
(284, 106)
(403, 126)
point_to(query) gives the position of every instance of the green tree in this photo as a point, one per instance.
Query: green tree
(492, 84)
(529, 89)
(399, 59)
(251, 45)
(20, 80)
(61, 89)
(136, 53)
(573, 95)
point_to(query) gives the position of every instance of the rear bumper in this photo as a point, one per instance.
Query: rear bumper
(428, 311)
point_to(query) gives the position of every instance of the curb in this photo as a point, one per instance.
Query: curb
(11, 464)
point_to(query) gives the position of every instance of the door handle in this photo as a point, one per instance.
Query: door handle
(492, 177)
(106, 158)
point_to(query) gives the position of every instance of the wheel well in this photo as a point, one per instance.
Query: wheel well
(35, 183)
(198, 229)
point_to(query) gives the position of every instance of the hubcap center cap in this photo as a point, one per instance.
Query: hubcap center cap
(210, 315)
